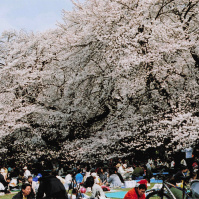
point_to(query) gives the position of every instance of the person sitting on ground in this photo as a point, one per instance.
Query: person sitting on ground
(24, 193)
(68, 180)
(136, 192)
(129, 169)
(181, 175)
(79, 177)
(114, 179)
(96, 189)
(14, 173)
(102, 175)
(175, 190)
(195, 165)
(122, 170)
(138, 171)
(7, 187)
(51, 187)
(193, 176)
(26, 172)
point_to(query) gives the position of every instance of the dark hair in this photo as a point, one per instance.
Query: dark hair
(193, 174)
(25, 185)
(183, 167)
(112, 171)
(89, 182)
(54, 172)
(142, 186)
(29, 177)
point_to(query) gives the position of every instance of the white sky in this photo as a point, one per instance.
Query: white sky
(32, 15)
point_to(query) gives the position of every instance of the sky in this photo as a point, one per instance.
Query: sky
(32, 15)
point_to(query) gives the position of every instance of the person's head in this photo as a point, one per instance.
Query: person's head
(26, 189)
(30, 179)
(8, 179)
(194, 175)
(141, 189)
(124, 166)
(112, 171)
(54, 172)
(94, 175)
(184, 169)
(25, 168)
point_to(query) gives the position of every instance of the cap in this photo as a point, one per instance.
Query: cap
(143, 182)
(125, 165)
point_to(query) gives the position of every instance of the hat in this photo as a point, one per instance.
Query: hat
(25, 167)
(125, 165)
(144, 181)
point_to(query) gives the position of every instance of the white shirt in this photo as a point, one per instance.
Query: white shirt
(27, 173)
(121, 170)
(172, 164)
(68, 178)
(96, 188)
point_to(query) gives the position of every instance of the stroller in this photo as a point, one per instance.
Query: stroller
(195, 189)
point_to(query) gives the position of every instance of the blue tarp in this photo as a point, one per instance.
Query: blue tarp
(119, 194)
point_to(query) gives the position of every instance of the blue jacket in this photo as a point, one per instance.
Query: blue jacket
(79, 178)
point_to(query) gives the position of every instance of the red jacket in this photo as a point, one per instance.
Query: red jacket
(132, 194)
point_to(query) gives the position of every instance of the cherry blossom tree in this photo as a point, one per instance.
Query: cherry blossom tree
(115, 76)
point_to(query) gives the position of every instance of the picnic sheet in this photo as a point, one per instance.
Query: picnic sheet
(119, 194)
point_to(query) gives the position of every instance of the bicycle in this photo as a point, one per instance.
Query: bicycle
(164, 192)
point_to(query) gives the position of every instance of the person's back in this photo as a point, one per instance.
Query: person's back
(114, 180)
(52, 187)
(79, 177)
(138, 171)
(96, 189)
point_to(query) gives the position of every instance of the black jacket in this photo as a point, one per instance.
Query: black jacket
(2, 180)
(179, 176)
(52, 187)
(20, 196)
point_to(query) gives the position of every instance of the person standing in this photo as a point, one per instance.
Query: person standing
(51, 187)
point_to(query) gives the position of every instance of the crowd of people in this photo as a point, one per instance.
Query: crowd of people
(57, 181)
